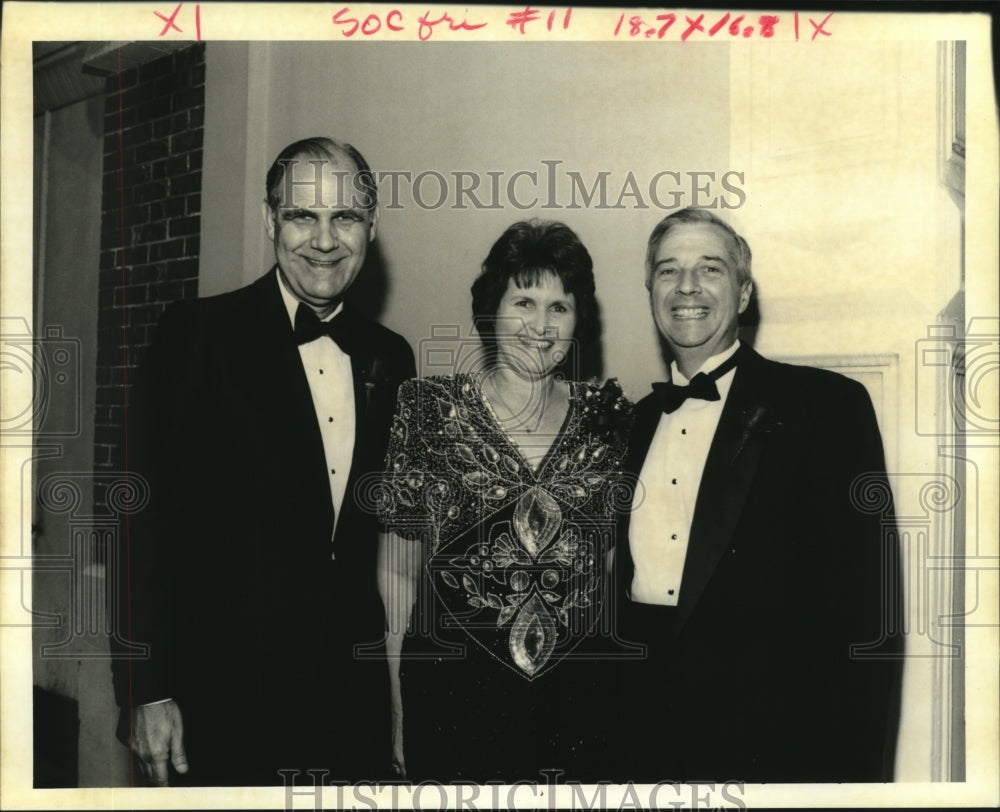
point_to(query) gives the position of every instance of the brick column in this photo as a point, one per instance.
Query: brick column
(150, 223)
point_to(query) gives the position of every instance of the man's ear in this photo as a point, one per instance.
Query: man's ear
(268, 213)
(371, 228)
(745, 294)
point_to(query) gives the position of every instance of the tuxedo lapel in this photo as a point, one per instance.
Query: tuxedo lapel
(726, 480)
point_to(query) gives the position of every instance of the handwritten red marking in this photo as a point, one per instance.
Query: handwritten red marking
(170, 20)
(718, 26)
(197, 21)
(566, 16)
(637, 26)
(352, 23)
(371, 24)
(670, 20)
(693, 25)
(519, 19)
(427, 25)
(819, 28)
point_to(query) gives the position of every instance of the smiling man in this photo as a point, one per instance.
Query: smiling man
(752, 565)
(251, 574)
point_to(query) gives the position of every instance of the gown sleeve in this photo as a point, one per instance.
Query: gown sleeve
(414, 494)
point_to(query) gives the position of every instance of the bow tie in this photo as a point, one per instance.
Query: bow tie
(308, 327)
(702, 387)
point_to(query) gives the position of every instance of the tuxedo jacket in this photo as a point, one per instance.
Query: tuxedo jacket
(262, 625)
(781, 661)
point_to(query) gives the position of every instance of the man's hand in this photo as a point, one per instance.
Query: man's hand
(158, 737)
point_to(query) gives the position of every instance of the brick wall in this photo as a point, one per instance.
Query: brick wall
(150, 222)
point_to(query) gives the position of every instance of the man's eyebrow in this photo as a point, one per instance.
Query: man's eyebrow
(296, 211)
(702, 258)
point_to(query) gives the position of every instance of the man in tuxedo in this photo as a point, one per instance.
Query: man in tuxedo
(758, 563)
(251, 573)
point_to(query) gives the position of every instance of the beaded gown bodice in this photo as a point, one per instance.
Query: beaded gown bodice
(516, 553)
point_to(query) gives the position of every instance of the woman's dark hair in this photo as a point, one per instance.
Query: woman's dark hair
(524, 253)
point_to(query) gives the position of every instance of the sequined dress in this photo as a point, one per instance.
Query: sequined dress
(508, 665)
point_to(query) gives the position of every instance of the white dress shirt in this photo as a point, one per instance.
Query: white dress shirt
(328, 370)
(671, 476)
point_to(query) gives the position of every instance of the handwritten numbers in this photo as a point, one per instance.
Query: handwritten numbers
(766, 27)
(715, 28)
(566, 16)
(637, 26)
(519, 20)
(668, 20)
(767, 23)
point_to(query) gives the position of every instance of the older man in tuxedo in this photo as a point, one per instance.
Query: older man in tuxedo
(749, 566)
(251, 575)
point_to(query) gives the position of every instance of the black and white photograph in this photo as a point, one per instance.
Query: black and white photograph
(425, 407)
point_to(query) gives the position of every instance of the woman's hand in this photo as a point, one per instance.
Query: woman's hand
(398, 763)
(398, 572)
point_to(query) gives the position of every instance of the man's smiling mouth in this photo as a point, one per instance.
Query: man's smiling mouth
(689, 312)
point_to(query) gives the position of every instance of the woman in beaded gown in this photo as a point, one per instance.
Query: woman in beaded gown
(499, 494)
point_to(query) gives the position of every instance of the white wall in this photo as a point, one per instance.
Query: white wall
(857, 250)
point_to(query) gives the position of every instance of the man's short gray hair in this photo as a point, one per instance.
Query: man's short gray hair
(741, 251)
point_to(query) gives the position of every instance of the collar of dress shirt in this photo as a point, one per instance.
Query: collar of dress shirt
(708, 366)
(292, 304)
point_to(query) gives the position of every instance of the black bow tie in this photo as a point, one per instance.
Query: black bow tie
(308, 327)
(702, 387)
